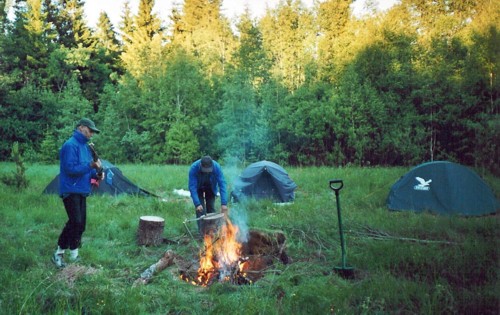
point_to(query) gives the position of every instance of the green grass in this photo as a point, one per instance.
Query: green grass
(455, 272)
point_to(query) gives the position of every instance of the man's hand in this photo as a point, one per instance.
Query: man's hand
(223, 209)
(199, 208)
(103, 175)
(97, 165)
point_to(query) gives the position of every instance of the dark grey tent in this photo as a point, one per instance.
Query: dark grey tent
(264, 180)
(444, 188)
(115, 183)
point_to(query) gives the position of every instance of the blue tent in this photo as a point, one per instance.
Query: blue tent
(264, 180)
(443, 188)
(115, 183)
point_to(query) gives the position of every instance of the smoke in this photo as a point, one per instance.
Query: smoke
(238, 216)
(238, 213)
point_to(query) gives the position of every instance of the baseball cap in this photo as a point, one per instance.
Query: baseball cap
(207, 164)
(88, 123)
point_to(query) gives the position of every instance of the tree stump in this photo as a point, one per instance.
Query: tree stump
(150, 231)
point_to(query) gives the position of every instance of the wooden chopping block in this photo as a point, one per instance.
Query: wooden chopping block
(150, 231)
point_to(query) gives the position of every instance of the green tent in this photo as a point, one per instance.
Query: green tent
(444, 188)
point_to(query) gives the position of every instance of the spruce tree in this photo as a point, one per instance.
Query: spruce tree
(146, 21)
(107, 45)
(333, 18)
(143, 48)
(28, 45)
(205, 33)
(250, 56)
(126, 25)
(289, 40)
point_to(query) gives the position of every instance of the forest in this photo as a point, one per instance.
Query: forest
(299, 86)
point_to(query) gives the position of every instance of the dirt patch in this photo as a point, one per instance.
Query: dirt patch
(73, 272)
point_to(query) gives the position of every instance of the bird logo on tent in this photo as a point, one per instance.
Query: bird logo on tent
(423, 184)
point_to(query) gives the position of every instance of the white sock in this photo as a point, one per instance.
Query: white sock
(74, 253)
(59, 251)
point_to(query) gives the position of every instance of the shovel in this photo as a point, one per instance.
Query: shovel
(344, 271)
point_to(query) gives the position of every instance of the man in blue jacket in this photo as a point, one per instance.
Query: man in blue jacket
(205, 180)
(77, 168)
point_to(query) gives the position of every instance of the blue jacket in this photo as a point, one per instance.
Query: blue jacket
(216, 180)
(75, 171)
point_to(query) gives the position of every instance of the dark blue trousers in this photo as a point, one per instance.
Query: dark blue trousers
(76, 208)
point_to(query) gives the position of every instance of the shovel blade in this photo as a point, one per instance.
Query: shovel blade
(344, 272)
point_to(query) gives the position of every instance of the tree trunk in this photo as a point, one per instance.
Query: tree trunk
(150, 231)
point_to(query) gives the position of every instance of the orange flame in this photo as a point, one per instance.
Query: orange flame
(228, 249)
(221, 255)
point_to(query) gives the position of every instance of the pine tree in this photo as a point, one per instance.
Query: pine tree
(289, 39)
(182, 146)
(179, 96)
(105, 34)
(28, 45)
(143, 49)
(250, 57)
(107, 44)
(204, 33)
(70, 23)
(18, 178)
(3, 14)
(146, 21)
(333, 18)
(127, 26)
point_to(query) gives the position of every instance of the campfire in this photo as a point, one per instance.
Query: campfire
(221, 258)
(226, 256)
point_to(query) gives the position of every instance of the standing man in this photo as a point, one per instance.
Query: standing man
(77, 168)
(205, 178)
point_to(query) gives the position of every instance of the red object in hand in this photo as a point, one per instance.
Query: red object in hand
(94, 182)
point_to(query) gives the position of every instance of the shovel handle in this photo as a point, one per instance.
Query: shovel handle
(336, 184)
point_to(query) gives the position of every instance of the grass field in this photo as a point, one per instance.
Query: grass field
(405, 263)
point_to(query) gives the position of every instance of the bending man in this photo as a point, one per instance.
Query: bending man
(205, 180)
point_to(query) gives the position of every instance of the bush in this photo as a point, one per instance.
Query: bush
(16, 179)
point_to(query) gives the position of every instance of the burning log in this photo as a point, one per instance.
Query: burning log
(238, 275)
(226, 260)
(206, 277)
(150, 231)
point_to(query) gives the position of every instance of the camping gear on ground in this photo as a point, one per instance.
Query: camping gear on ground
(343, 270)
(444, 188)
(264, 180)
(115, 183)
